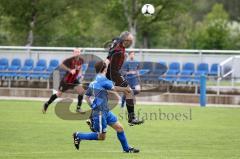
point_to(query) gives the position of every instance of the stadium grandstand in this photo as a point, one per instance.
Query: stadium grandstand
(169, 75)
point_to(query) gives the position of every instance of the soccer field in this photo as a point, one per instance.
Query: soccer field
(26, 133)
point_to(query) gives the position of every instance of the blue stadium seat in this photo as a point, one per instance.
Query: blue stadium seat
(160, 69)
(146, 70)
(38, 71)
(52, 66)
(84, 67)
(26, 69)
(214, 70)
(202, 69)
(171, 75)
(187, 71)
(41, 65)
(147, 66)
(91, 65)
(174, 68)
(15, 65)
(3, 64)
(188, 68)
(13, 68)
(90, 71)
(28, 65)
(3, 67)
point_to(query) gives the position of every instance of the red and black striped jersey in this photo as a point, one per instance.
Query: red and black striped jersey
(72, 63)
(116, 57)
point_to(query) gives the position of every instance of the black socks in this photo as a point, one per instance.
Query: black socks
(80, 98)
(52, 98)
(130, 108)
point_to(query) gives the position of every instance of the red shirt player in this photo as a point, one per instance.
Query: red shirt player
(72, 66)
(116, 59)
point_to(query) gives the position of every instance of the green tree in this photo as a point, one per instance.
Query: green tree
(147, 30)
(44, 22)
(27, 16)
(213, 32)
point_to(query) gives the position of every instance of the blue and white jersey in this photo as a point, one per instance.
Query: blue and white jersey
(131, 69)
(98, 89)
(132, 66)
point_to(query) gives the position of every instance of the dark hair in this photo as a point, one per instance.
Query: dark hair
(100, 66)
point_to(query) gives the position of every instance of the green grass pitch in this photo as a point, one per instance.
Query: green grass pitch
(25, 133)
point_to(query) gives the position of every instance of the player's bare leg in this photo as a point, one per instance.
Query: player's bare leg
(136, 91)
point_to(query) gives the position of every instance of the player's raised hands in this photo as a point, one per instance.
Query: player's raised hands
(128, 90)
(73, 71)
(107, 62)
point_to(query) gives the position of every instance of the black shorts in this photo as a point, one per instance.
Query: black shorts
(66, 86)
(117, 78)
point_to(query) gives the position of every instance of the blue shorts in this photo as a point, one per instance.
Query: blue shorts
(132, 80)
(100, 122)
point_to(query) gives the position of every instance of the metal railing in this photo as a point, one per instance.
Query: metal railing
(232, 72)
(223, 57)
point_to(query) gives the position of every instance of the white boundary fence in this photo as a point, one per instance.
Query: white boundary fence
(154, 55)
(223, 57)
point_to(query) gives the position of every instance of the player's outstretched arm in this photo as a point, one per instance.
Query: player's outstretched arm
(121, 89)
(65, 65)
(73, 71)
(107, 61)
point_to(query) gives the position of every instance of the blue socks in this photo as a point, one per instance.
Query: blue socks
(94, 136)
(122, 138)
(87, 136)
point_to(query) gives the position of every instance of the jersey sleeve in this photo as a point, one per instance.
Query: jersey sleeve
(67, 62)
(115, 60)
(108, 85)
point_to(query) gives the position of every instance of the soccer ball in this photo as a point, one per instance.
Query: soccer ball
(148, 9)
